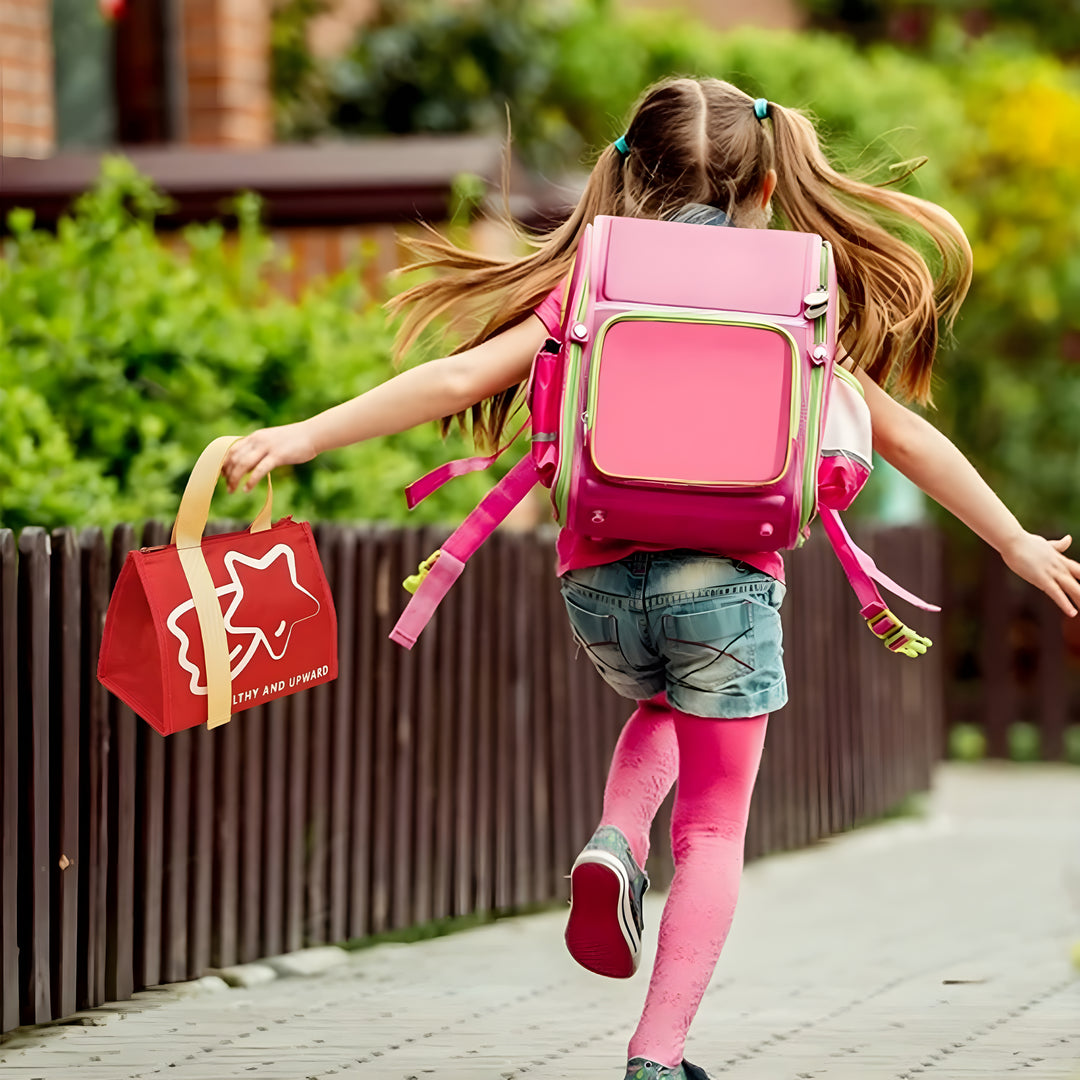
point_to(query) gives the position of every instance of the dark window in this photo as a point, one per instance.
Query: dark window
(114, 78)
(82, 65)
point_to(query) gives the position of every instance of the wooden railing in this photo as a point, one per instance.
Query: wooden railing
(1013, 658)
(461, 777)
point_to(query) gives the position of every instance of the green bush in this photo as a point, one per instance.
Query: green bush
(1072, 744)
(967, 742)
(120, 358)
(424, 65)
(1051, 23)
(1025, 742)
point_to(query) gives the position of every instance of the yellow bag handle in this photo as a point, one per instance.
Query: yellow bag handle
(187, 535)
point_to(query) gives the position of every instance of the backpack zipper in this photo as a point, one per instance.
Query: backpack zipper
(571, 392)
(813, 418)
(713, 320)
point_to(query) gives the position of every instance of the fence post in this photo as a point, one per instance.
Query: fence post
(150, 831)
(34, 833)
(66, 634)
(362, 602)
(9, 784)
(343, 719)
(229, 768)
(318, 807)
(401, 747)
(996, 656)
(1053, 694)
(120, 901)
(94, 733)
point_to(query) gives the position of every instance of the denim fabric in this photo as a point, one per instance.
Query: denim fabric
(703, 628)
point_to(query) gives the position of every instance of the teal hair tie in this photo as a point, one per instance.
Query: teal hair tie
(620, 145)
(761, 108)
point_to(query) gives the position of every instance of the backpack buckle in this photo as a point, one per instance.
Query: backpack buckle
(816, 304)
(892, 633)
(414, 581)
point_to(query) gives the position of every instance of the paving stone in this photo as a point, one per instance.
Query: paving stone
(930, 949)
(247, 975)
(306, 962)
(195, 988)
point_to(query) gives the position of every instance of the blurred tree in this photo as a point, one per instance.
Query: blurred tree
(1052, 24)
(296, 78)
(120, 359)
(1012, 389)
(429, 66)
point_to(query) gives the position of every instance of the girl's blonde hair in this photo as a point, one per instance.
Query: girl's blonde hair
(699, 140)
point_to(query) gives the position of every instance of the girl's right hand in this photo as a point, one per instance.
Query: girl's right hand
(266, 449)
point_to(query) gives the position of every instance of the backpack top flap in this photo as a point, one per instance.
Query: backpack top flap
(718, 400)
(721, 394)
(675, 264)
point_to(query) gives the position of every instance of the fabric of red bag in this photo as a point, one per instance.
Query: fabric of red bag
(256, 601)
(279, 620)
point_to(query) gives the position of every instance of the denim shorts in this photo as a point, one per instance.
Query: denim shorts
(702, 628)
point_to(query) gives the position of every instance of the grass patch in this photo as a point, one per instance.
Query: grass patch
(1072, 744)
(914, 805)
(967, 742)
(1025, 742)
(453, 924)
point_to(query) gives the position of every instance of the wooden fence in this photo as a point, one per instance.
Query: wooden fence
(458, 778)
(1012, 656)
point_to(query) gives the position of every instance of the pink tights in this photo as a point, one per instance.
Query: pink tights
(716, 763)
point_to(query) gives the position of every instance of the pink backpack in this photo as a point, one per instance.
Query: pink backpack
(693, 402)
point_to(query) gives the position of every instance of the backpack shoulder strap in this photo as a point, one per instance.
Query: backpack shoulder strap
(864, 576)
(430, 482)
(439, 572)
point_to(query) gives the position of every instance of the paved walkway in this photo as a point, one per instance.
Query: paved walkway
(934, 948)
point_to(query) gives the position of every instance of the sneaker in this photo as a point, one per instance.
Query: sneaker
(603, 933)
(643, 1069)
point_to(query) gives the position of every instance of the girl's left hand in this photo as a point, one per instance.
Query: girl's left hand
(1044, 564)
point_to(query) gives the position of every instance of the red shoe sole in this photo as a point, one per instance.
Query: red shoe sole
(594, 934)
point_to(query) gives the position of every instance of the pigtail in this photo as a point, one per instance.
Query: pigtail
(892, 301)
(483, 294)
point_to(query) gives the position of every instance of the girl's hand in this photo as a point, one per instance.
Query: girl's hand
(1043, 563)
(266, 449)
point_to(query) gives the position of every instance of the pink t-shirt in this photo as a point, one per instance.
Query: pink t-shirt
(575, 551)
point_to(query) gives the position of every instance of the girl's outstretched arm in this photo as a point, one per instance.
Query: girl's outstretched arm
(427, 392)
(927, 458)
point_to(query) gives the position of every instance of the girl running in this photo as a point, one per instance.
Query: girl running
(694, 149)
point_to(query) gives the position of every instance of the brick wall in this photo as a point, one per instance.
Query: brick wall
(334, 32)
(227, 68)
(726, 14)
(27, 111)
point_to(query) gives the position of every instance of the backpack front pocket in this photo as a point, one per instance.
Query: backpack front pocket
(662, 410)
